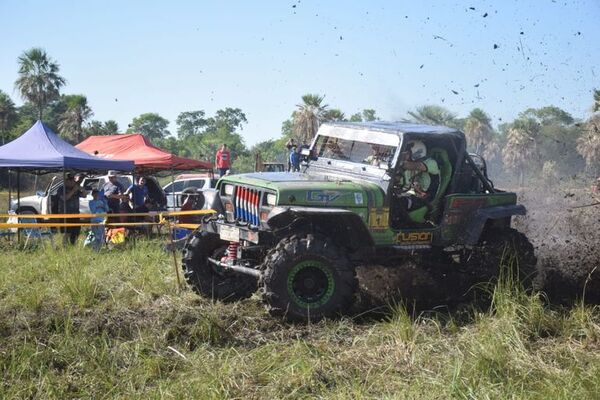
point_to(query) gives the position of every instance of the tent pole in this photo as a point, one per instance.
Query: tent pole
(171, 232)
(18, 203)
(9, 191)
(132, 194)
(64, 196)
(173, 188)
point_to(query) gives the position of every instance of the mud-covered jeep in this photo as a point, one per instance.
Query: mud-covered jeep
(299, 236)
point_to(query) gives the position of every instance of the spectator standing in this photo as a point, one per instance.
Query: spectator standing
(138, 193)
(223, 159)
(114, 192)
(288, 145)
(79, 177)
(68, 203)
(295, 159)
(97, 206)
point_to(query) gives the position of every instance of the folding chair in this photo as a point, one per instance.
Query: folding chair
(35, 233)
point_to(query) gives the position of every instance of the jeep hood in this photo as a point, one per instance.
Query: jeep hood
(312, 190)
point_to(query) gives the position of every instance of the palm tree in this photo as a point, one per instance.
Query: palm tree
(588, 144)
(520, 151)
(111, 127)
(433, 115)
(333, 115)
(8, 114)
(38, 80)
(478, 130)
(308, 117)
(78, 111)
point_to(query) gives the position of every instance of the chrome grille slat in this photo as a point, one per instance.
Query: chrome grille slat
(246, 202)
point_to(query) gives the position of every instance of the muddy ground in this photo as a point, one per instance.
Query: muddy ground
(566, 241)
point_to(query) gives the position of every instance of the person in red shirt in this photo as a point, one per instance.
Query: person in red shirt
(223, 160)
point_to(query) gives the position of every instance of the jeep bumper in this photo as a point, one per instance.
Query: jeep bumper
(232, 232)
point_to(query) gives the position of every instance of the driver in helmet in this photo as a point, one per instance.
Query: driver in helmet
(420, 179)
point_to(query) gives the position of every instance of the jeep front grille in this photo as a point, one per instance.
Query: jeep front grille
(247, 204)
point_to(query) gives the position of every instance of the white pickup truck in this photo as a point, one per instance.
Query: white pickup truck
(186, 183)
(45, 202)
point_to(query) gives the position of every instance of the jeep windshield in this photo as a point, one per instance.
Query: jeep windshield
(374, 152)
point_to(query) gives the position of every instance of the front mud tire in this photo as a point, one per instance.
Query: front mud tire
(307, 277)
(207, 279)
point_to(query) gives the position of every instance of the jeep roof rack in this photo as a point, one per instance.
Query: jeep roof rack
(399, 128)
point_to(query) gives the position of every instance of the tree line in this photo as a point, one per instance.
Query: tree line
(544, 142)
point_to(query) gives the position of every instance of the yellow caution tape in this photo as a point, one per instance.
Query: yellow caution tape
(148, 214)
(39, 225)
(66, 225)
(186, 226)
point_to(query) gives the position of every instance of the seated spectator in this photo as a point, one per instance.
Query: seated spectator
(125, 208)
(188, 205)
(144, 209)
(192, 200)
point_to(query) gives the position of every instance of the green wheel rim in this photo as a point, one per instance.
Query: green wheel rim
(310, 284)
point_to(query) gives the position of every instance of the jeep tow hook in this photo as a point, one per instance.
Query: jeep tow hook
(236, 268)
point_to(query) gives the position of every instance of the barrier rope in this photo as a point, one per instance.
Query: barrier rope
(162, 219)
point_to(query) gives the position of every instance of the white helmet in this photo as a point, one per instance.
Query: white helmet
(417, 149)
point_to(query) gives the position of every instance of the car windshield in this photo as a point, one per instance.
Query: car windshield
(176, 186)
(354, 151)
(197, 183)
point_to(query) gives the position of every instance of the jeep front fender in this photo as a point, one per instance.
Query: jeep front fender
(343, 226)
(483, 215)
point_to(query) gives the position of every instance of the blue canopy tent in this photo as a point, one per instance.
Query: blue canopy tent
(40, 151)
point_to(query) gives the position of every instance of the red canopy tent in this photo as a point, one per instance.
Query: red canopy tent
(138, 148)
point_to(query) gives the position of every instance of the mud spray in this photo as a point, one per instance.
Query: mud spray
(566, 237)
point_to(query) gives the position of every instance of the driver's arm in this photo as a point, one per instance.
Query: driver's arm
(414, 166)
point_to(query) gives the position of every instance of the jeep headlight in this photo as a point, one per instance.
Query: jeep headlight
(271, 199)
(228, 190)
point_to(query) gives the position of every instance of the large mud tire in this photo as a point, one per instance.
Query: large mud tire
(507, 251)
(307, 277)
(207, 279)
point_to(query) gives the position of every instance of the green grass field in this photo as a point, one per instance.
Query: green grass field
(77, 324)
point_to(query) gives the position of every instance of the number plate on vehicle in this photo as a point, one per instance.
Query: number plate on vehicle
(230, 233)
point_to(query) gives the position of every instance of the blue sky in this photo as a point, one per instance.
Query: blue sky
(131, 57)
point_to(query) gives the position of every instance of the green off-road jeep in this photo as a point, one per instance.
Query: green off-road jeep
(298, 237)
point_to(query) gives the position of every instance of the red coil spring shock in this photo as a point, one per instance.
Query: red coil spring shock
(231, 252)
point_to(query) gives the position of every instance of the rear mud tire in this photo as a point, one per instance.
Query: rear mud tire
(307, 277)
(207, 279)
(505, 251)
